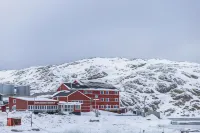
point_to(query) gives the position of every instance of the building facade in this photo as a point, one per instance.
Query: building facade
(46, 105)
(33, 104)
(74, 96)
(102, 96)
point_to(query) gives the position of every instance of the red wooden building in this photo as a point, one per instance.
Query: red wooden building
(38, 105)
(74, 96)
(33, 104)
(14, 121)
(93, 95)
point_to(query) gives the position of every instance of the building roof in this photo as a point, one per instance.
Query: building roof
(36, 99)
(43, 93)
(90, 85)
(63, 93)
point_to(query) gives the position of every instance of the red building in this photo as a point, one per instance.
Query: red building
(38, 105)
(74, 96)
(33, 104)
(94, 95)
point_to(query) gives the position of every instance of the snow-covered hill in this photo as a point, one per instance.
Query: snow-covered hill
(171, 87)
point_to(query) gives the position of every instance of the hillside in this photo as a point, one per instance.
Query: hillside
(170, 87)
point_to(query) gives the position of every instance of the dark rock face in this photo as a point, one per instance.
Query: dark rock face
(167, 78)
(139, 82)
(178, 91)
(190, 75)
(196, 106)
(169, 111)
(196, 92)
(183, 97)
(164, 88)
(194, 76)
(147, 90)
(97, 76)
(179, 81)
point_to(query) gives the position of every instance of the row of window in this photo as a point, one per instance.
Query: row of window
(108, 106)
(101, 92)
(79, 101)
(77, 107)
(96, 96)
(107, 92)
(70, 108)
(107, 99)
(42, 107)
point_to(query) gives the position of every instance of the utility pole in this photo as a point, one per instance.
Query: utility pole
(31, 119)
(144, 105)
(32, 113)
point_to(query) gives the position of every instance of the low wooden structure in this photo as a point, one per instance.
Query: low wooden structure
(14, 121)
(3, 108)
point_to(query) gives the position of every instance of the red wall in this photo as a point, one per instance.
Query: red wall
(32, 103)
(20, 104)
(85, 107)
(111, 97)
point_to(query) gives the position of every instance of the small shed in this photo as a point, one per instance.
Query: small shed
(3, 108)
(14, 121)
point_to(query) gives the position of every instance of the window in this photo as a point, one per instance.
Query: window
(116, 92)
(69, 108)
(102, 106)
(107, 92)
(107, 99)
(29, 107)
(102, 99)
(14, 100)
(116, 106)
(102, 92)
(80, 101)
(87, 92)
(96, 96)
(116, 99)
(77, 107)
(107, 106)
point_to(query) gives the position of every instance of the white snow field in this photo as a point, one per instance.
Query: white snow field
(108, 123)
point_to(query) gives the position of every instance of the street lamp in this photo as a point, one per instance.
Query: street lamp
(96, 107)
(95, 103)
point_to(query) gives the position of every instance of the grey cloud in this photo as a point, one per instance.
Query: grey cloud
(52, 32)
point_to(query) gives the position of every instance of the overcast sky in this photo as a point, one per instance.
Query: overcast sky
(42, 32)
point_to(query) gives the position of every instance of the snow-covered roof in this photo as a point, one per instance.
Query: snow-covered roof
(63, 93)
(35, 99)
(90, 85)
(101, 89)
(69, 103)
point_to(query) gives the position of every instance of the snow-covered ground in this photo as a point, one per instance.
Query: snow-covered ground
(108, 123)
